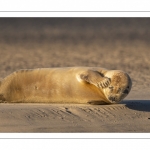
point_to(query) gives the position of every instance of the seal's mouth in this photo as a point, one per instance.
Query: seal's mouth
(111, 98)
(114, 99)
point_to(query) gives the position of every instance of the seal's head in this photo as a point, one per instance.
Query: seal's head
(119, 86)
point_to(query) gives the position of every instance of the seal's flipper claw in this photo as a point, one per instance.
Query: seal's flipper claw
(95, 78)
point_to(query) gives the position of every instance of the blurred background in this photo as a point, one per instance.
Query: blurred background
(112, 43)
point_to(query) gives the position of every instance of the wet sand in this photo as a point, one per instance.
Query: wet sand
(113, 43)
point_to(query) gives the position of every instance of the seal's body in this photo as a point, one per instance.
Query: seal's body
(65, 85)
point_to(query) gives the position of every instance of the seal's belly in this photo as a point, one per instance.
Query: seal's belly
(54, 87)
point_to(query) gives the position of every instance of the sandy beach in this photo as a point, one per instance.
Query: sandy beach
(113, 43)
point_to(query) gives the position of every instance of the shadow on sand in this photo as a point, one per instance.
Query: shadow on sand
(140, 105)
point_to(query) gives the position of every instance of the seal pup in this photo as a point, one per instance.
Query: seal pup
(92, 85)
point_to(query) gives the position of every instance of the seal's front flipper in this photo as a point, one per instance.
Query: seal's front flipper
(97, 103)
(95, 78)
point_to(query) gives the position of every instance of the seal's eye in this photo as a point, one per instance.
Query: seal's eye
(127, 87)
(125, 91)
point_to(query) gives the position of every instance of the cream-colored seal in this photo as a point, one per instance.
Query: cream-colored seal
(93, 85)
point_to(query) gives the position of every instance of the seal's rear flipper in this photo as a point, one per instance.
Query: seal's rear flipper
(95, 78)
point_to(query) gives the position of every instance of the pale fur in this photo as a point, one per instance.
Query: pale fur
(57, 85)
